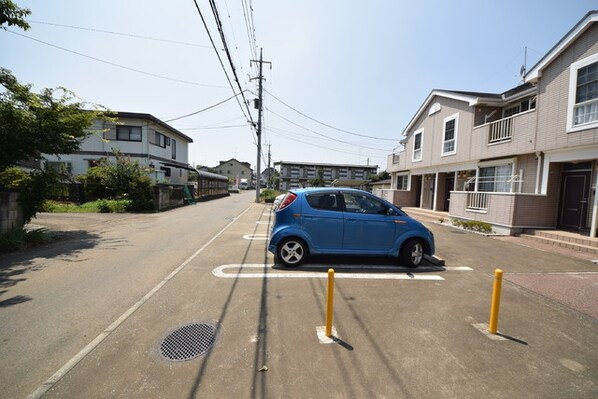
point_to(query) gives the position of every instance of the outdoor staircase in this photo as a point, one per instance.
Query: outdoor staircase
(563, 239)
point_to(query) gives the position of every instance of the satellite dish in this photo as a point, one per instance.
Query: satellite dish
(522, 71)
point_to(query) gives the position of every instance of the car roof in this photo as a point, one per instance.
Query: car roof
(326, 190)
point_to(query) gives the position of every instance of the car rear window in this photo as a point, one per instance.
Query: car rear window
(323, 201)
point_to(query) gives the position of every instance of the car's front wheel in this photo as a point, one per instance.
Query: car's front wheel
(292, 251)
(412, 253)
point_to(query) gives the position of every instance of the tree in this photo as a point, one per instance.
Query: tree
(318, 181)
(11, 14)
(384, 175)
(33, 124)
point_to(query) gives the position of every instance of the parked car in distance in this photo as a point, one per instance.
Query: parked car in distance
(345, 221)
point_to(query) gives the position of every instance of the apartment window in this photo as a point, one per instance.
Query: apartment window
(583, 94)
(60, 167)
(418, 139)
(167, 171)
(161, 140)
(173, 152)
(128, 133)
(521, 106)
(402, 182)
(449, 140)
(495, 178)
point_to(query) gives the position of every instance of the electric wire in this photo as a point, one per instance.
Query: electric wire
(226, 50)
(320, 134)
(120, 34)
(248, 118)
(114, 64)
(323, 147)
(327, 125)
(201, 110)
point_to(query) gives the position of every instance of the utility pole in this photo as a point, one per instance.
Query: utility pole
(259, 126)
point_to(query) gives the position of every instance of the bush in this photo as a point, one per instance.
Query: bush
(33, 188)
(20, 238)
(474, 225)
(268, 195)
(121, 180)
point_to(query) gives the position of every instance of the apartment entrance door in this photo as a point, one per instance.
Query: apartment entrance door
(575, 193)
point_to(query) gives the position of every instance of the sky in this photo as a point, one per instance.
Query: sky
(343, 77)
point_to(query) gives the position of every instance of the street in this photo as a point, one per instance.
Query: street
(85, 316)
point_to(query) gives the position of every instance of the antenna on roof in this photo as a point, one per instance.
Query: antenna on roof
(523, 68)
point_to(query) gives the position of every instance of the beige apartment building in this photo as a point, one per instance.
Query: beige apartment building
(523, 159)
(299, 174)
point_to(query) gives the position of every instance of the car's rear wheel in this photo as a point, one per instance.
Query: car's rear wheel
(292, 251)
(412, 253)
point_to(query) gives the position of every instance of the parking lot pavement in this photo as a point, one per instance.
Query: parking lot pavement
(399, 337)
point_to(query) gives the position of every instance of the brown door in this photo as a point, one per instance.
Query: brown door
(575, 192)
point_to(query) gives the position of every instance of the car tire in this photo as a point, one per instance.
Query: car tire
(412, 253)
(292, 251)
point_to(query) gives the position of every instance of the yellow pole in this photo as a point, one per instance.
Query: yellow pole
(493, 324)
(329, 302)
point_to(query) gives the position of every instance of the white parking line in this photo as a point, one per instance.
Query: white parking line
(268, 271)
(258, 236)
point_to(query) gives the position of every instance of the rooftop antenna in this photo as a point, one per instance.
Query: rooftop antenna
(523, 68)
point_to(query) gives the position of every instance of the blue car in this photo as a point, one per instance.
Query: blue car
(345, 221)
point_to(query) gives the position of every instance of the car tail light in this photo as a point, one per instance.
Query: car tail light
(287, 200)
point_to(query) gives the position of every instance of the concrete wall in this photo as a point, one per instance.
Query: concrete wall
(11, 215)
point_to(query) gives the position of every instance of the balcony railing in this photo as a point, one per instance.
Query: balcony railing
(501, 130)
(477, 201)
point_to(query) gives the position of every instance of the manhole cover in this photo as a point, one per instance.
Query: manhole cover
(188, 342)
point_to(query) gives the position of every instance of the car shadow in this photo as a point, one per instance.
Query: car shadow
(359, 264)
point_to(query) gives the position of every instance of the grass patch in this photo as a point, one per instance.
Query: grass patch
(20, 238)
(98, 206)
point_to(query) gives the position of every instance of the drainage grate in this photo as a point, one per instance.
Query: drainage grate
(188, 342)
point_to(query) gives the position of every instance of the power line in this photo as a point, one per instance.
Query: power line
(201, 110)
(319, 134)
(327, 125)
(248, 118)
(226, 50)
(120, 34)
(323, 147)
(114, 64)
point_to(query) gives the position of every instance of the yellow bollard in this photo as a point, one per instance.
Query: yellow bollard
(494, 307)
(329, 302)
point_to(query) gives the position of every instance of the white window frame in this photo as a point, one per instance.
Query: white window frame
(421, 146)
(572, 94)
(454, 117)
(406, 182)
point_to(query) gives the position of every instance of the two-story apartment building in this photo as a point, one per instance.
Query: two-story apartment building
(299, 174)
(142, 137)
(235, 170)
(525, 158)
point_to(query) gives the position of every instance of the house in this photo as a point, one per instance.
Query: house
(523, 159)
(141, 137)
(235, 170)
(299, 174)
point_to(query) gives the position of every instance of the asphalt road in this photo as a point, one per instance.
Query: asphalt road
(57, 298)
(86, 317)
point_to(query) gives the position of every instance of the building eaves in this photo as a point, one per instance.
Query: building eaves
(136, 115)
(536, 71)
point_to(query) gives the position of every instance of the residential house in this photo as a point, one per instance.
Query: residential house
(235, 170)
(141, 137)
(516, 159)
(299, 174)
(266, 175)
(525, 158)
